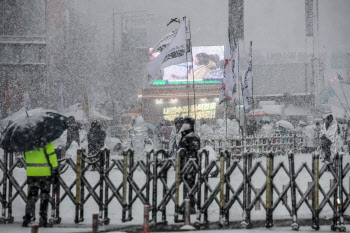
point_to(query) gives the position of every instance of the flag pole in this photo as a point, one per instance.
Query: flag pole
(226, 117)
(239, 94)
(188, 89)
(194, 89)
(244, 116)
(251, 45)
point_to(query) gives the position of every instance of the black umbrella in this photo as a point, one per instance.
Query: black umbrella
(32, 129)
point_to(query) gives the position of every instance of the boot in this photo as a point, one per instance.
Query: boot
(43, 223)
(26, 221)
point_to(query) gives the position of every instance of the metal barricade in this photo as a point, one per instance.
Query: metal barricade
(166, 184)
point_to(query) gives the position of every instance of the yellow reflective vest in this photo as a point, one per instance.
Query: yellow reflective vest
(36, 162)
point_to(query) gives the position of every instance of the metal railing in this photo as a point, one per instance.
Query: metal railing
(166, 185)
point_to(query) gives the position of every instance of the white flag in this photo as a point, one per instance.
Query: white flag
(164, 42)
(247, 85)
(172, 54)
(228, 89)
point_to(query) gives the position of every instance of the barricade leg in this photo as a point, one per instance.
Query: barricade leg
(82, 190)
(222, 185)
(206, 189)
(10, 218)
(101, 183)
(77, 185)
(342, 227)
(244, 224)
(131, 165)
(338, 220)
(269, 197)
(125, 183)
(55, 212)
(249, 191)
(335, 220)
(148, 178)
(228, 181)
(4, 189)
(106, 219)
(155, 188)
(165, 176)
(177, 188)
(315, 196)
(295, 225)
(199, 192)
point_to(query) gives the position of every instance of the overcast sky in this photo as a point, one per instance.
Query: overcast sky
(270, 24)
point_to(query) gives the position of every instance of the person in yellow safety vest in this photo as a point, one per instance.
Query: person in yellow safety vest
(42, 171)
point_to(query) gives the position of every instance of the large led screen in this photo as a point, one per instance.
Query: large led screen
(207, 68)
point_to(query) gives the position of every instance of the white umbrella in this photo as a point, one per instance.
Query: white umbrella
(284, 124)
(258, 112)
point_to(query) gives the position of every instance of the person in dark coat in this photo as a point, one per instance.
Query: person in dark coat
(72, 132)
(96, 138)
(252, 127)
(188, 149)
(328, 137)
(178, 121)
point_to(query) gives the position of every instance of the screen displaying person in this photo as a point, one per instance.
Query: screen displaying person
(204, 64)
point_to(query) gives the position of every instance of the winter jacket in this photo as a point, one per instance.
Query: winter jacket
(330, 135)
(190, 142)
(73, 131)
(138, 136)
(347, 134)
(37, 163)
(166, 132)
(96, 139)
(310, 136)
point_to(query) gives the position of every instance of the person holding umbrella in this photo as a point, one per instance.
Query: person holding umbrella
(33, 132)
(42, 171)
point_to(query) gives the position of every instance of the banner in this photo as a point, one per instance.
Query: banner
(247, 84)
(164, 42)
(325, 94)
(228, 89)
(172, 54)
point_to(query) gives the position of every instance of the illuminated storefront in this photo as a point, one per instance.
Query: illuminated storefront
(198, 111)
(169, 103)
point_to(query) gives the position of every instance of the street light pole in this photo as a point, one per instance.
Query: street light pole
(113, 33)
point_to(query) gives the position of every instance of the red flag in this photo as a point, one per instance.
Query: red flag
(7, 98)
